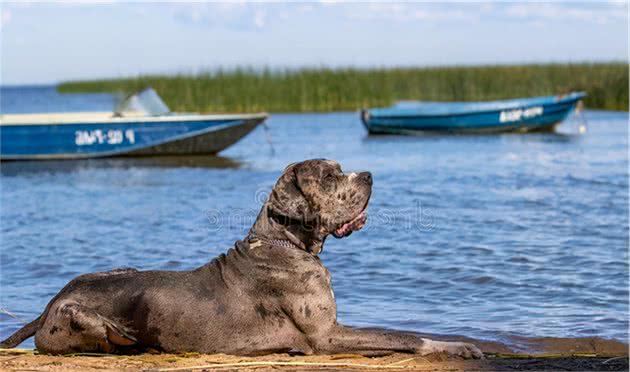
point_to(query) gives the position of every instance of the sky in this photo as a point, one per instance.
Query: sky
(44, 43)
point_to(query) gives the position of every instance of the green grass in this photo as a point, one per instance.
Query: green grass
(338, 89)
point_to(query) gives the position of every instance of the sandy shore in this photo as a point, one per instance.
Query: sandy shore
(402, 362)
(583, 354)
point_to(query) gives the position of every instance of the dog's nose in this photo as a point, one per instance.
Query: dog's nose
(366, 177)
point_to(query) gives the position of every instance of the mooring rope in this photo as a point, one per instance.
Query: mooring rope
(10, 314)
(579, 112)
(268, 137)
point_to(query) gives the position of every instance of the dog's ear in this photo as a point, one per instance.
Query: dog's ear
(287, 197)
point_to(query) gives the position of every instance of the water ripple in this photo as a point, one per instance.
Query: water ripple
(485, 236)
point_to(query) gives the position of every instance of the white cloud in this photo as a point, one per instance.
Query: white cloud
(623, 3)
(230, 5)
(305, 8)
(567, 11)
(259, 19)
(414, 11)
(5, 17)
(238, 16)
(448, 11)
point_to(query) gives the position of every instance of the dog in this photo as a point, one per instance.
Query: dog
(268, 294)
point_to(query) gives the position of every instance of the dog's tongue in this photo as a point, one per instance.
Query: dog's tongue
(347, 228)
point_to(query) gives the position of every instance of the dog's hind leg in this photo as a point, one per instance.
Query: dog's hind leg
(71, 327)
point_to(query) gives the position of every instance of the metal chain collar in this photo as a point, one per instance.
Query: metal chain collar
(273, 242)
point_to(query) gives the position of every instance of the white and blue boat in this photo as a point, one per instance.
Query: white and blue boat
(515, 115)
(141, 126)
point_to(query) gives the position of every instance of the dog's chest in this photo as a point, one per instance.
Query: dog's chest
(284, 272)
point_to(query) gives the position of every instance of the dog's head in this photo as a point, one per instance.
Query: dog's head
(314, 198)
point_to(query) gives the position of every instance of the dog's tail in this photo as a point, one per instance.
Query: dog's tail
(21, 335)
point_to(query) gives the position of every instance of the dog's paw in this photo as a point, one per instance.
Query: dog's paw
(461, 349)
(465, 350)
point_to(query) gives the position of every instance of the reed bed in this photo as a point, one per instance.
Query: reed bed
(340, 89)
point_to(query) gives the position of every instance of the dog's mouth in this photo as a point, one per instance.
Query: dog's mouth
(354, 224)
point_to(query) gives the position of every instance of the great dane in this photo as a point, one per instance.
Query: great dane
(269, 294)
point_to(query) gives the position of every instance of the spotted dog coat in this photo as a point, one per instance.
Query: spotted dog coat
(269, 293)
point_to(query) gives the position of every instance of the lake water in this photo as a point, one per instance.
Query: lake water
(485, 236)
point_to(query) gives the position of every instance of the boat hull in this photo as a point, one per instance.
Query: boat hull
(540, 115)
(123, 138)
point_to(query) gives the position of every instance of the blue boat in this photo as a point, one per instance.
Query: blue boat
(515, 115)
(142, 126)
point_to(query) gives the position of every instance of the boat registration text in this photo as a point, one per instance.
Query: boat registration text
(520, 114)
(98, 136)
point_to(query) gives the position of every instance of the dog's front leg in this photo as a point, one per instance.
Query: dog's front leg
(326, 336)
(340, 339)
